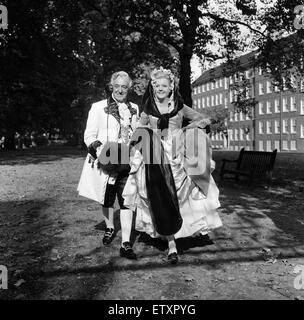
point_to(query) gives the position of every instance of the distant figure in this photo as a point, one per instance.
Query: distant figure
(2, 143)
(17, 140)
(33, 142)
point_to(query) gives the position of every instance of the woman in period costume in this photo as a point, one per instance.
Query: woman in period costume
(170, 182)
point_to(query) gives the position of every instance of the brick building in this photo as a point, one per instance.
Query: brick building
(277, 120)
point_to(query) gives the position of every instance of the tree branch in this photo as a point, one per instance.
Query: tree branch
(222, 19)
(166, 39)
(96, 8)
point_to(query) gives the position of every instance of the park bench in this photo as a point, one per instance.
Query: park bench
(251, 164)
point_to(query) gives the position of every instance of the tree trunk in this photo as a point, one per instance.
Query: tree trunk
(185, 78)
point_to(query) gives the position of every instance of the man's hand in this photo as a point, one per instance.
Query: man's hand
(93, 147)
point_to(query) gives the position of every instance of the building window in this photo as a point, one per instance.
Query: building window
(293, 145)
(230, 134)
(276, 88)
(236, 134)
(268, 87)
(293, 105)
(277, 145)
(203, 88)
(203, 102)
(234, 95)
(241, 116)
(236, 148)
(212, 85)
(216, 99)
(216, 84)
(268, 145)
(261, 88)
(285, 145)
(230, 80)
(199, 103)
(268, 107)
(261, 145)
(261, 111)
(235, 116)
(293, 126)
(231, 116)
(302, 106)
(208, 86)
(212, 101)
(221, 82)
(285, 107)
(230, 95)
(226, 83)
(260, 71)
(302, 131)
(268, 127)
(285, 126)
(261, 127)
(208, 101)
(226, 103)
(276, 126)
(221, 98)
(241, 134)
(276, 106)
(194, 103)
(199, 89)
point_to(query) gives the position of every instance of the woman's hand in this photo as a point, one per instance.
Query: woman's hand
(204, 123)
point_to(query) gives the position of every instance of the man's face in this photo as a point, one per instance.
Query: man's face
(120, 89)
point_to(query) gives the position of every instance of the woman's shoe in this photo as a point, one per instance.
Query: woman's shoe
(108, 236)
(126, 251)
(173, 258)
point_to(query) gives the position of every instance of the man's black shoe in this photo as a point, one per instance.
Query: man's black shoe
(173, 258)
(126, 251)
(108, 236)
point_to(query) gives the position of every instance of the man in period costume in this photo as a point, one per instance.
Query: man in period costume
(110, 122)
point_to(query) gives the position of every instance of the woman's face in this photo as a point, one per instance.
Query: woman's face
(162, 88)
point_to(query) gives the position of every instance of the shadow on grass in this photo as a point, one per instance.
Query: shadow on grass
(30, 156)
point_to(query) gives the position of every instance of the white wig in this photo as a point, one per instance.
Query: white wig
(121, 74)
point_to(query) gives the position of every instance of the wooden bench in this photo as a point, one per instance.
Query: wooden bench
(251, 164)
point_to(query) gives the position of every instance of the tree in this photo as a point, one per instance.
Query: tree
(187, 27)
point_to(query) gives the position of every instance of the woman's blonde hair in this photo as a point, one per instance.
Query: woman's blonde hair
(162, 73)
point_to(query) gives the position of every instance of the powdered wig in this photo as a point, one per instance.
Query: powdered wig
(121, 74)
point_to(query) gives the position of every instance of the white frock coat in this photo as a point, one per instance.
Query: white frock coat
(103, 127)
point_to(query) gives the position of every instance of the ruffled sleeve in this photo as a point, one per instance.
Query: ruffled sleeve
(195, 119)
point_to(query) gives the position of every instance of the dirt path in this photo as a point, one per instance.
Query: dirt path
(50, 239)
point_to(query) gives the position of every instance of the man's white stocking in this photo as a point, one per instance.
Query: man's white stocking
(108, 214)
(126, 218)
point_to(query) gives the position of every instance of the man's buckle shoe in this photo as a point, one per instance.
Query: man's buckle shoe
(126, 251)
(173, 258)
(108, 236)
